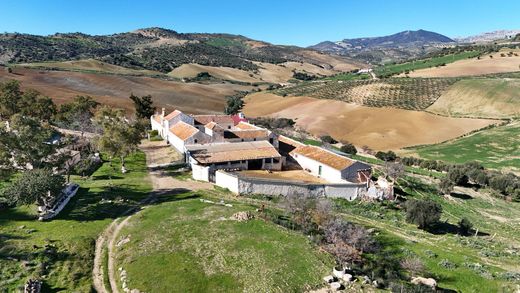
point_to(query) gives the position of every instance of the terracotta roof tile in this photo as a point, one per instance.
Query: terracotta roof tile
(226, 152)
(246, 126)
(290, 141)
(205, 119)
(323, 156)
(260, 133)
(172, 115)
(183, 130)
(212, 125)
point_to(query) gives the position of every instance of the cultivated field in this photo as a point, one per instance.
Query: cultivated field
(474, 66)
(114, 90)
(497, 148)
(90, 65)
(189, 246)
(489, 98)
(404, 93)
(379, 128)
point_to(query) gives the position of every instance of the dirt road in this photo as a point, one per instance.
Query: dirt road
(162, 183)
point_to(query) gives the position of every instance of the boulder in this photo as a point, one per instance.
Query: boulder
(335, 286)
(243, 216)
(430, 282)
(328, 279)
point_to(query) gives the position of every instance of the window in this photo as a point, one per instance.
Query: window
(319, 170)
(271, 140)
(195, 141)
(254, 139)
(242, 139)
(229, 127)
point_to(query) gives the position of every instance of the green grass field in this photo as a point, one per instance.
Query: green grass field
(348, 76)
(497, 148)
(185, 245)
(67, 263)
(393, 69)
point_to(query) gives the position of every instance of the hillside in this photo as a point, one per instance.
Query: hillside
(156, 49)
(488, 36)
(399, 46)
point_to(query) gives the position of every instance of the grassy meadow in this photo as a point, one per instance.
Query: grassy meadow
(61, 251)
(185, 245)
(496, 148)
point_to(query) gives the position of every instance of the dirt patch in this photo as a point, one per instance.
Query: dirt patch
(296, 175)
(379, 128)
(114, 90)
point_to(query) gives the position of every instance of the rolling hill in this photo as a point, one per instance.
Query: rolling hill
(398, 46)
(158, 49)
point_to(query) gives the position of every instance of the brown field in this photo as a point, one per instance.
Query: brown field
(472, 67)
(267, 73)
(379, 128)
(114, 90)
(488, 98)
(90, 65)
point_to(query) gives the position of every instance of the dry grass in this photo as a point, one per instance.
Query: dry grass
(91, 65)
(379, 128)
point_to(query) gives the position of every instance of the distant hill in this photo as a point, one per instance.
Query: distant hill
(398, 46)
(489, 36)
(157, 49)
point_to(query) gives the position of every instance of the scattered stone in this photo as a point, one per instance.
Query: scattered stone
(29, 231)
(328, 279)
(21, 227)
(366, 280)
(243, 216)
(335, 286)
(123, 241)
(120, 269)
(430, 282)
(347, 278)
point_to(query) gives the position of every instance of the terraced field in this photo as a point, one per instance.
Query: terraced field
(402, 93)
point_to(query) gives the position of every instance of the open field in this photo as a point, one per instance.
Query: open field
(114, 90)
(267, 72)
(90, 65)
(68, 260)
(392, 69)
(379, 128)
(404, 93)
(497, 148)
(488, 98)
(189, 246)
(474, 66)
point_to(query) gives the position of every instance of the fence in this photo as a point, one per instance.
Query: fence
(248, 185)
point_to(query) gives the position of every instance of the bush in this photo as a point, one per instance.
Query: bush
(423, 213)
(154, 133)
(303, 76)
(328, 139)
(465, 226)
(389, 156)
(348, 148)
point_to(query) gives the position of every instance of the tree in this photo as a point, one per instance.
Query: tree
(39, 186)
(465, 226)
(394, 170)
(446, 185)
(458, 176)
(29, 103)
(78, 114)
(301, 208)
(423, 213)
(9, 95)
(328, 139)
(120, 138)
(386, 156)
(144, 108)
(348, 148)
(234, 105)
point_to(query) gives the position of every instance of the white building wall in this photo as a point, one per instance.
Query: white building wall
(226, 180)
(200, 172)
(328, 173)
(176, 142)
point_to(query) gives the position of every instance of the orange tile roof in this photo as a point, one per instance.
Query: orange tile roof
(226, 152)
(246, 126)
(172, 115)
(260, 133)
(205, 119)
(290, 141)
(323, 156)
(212, 125)
(183, 130)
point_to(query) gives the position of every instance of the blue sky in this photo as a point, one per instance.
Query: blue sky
(300, 23)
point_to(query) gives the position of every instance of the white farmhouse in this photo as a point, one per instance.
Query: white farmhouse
(182, 134)
(330, 166)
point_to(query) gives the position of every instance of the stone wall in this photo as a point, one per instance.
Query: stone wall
(249, 185)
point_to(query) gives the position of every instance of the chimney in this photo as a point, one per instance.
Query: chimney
(163, 110)
(162, 118)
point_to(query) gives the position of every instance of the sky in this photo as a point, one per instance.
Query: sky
(301, 23)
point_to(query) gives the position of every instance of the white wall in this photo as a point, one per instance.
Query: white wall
(199, 172)
(328, 173)
(176, 142)
(226, 180)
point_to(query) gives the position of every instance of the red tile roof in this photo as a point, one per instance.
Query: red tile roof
(226, 152)
(219, 119)
(323, 156)
(183, 130)
(172, 115)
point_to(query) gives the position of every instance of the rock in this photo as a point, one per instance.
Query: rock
(338, 274)
(366, 280)
(328, 279)
(242, 216)
(120, 269)
(21, 227)
(335, 286)
(430, 282)
(135, 291)
(347, 278)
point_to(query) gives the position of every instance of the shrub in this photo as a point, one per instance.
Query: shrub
(423, 213)
(328, 139)
(446, 185)
(465, 226)
(389, 156)
(447, 264)
(154, 133)
(348, 148)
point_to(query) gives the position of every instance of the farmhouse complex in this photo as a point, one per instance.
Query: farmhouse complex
(233, 153)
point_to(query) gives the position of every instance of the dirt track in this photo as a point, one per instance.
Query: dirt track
(379, 128)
